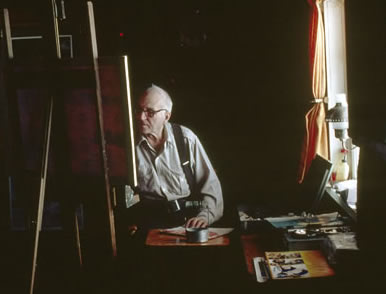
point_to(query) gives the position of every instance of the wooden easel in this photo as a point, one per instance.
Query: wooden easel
(36, 220)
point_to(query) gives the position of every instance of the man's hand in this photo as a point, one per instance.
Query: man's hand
(196, 222)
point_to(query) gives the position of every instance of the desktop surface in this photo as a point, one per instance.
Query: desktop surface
(158, 237)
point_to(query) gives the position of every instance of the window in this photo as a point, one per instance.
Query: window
(334, 20)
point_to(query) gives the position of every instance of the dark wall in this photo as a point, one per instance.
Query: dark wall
(366, 48)
(238, 73)
(366, 69)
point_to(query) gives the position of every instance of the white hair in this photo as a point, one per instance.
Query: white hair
(166, 97)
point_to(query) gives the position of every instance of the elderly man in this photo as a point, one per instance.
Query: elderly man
(161, 174)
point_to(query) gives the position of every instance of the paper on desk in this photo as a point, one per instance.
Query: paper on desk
(213, 232)
(330, 219)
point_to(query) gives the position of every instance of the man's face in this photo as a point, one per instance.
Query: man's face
(151, 114)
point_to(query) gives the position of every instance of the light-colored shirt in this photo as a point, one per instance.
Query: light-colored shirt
(163, 175)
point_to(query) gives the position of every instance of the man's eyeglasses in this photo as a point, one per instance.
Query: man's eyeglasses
(148, 112)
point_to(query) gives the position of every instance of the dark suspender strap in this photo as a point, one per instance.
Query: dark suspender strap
(183, 152)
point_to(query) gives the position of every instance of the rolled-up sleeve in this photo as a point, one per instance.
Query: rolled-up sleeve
(207, 183)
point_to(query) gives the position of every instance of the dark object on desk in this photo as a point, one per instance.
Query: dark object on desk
(197, 235)
(309, 240)
(254, 212)
(261, 269)
(251, 217)
(312, 236)
(314, 185)
(341, 248)
(341, 204)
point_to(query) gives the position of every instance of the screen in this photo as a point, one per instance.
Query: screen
(314, 184)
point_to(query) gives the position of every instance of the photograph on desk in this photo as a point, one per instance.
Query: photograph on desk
(297, 264)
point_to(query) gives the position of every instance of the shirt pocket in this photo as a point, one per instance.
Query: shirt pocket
(175, 183)
(145, 177)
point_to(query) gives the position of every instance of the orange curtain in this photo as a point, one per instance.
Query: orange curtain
(316, 137)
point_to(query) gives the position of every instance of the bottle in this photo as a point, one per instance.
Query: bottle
(342, 169)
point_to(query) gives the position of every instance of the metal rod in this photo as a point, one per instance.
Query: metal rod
(77, 235)
(46, 149)
(56, 28)
(101, 127)
(7, 32)
(43, 177)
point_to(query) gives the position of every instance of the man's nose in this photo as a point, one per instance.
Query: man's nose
(142, 115)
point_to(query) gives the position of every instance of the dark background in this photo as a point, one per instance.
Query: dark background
(238, 74)
(366, 63)
(237, 71)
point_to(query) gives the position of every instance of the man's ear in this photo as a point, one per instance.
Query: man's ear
(167, 115)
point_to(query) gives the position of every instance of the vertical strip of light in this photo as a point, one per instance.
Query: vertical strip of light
(334, 16)
(130, 116)
(319, 68)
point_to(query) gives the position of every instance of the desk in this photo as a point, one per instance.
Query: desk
(168, 264)
(255, 244)
(156, 238)
(251, 249)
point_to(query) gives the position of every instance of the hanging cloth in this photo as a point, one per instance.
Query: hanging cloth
(316, 135)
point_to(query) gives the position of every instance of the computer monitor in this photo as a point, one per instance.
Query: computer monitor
(341, 205)
(315, 195)
(314, 184)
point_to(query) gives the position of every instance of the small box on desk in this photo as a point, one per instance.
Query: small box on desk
(312, 238)
(296, 241)
(341, 248)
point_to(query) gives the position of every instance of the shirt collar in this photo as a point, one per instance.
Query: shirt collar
(168, 134)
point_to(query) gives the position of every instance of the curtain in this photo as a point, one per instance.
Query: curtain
(316, 135)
